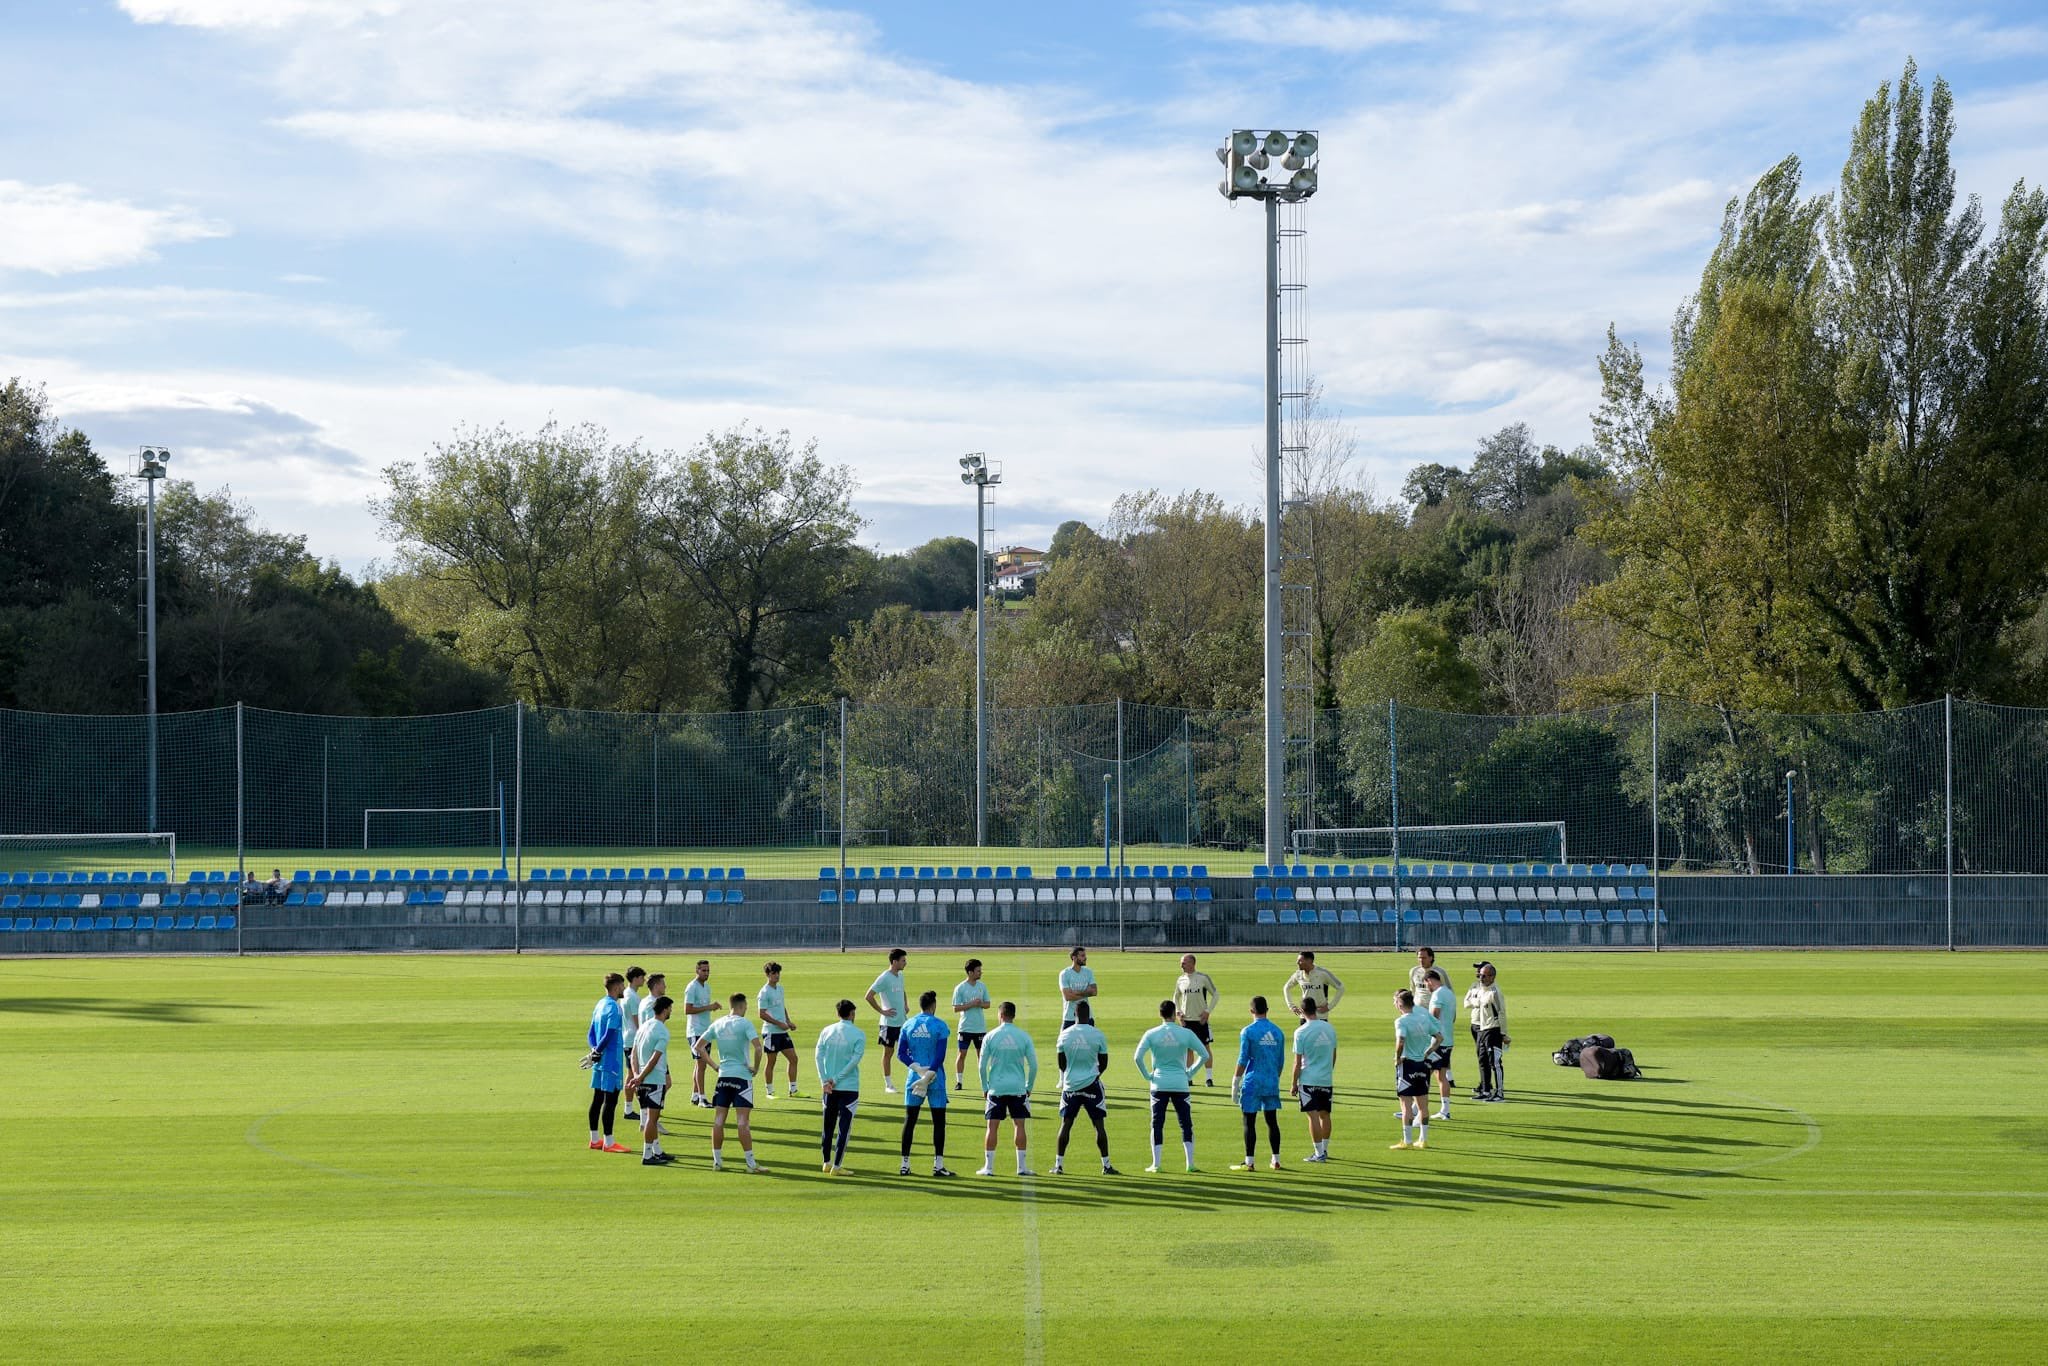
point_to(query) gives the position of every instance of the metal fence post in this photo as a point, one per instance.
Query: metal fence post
(1394, 811)
(1122, 888)
(241, 851)
(518, 821)
(1656, 853)
(1948, 803)
(842, 825)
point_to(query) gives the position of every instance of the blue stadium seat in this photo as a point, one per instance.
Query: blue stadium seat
(1262, 893)
(1024, 871)
(1005, 871)
(316, 898)
(416, 897)
(124, 922)
(64, 922)
(697, 874)
(1639, 870)
(1347, 915)
(734, 896)
(1432, 917)
(579, 875)
(947, 872)
(826, 875)
(6, 924)
(1553, 916)
(295, 899)
(1634, 916)
(460, 875)
(99, 922)
(889, 873)
(11, 901)
(1513, 915)
(615, 874)
(1184, 894)
(1063, 873)
(715, 897)
(437, 897)
(1283, 893)
(828, 896)
(206, 922)
(196, 875)
(718, 874)
(735, 874)
(1327, 915)
(227, 922)
(1411, 916)
(1266, 916)
(927, 874)
(97, 877)
(984, 873)
(44, 922)
(1451, 915)
(1203, 894)
(1199, 871)
(213, 901)
(1261, 870)
(1572, 916)
(187, 922)
(1289, 916)
(1491, 917)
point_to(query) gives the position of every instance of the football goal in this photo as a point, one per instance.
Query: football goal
(1507, 842)
(90, 852)
(404, 828)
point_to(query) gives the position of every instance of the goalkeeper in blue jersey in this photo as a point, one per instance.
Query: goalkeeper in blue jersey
(1261, 1047)
(922, 1047)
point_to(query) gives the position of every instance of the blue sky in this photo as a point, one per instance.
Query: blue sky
(299, 240)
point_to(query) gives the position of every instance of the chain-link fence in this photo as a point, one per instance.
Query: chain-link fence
(840, 792)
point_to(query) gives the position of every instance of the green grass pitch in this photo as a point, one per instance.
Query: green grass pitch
(370, 1158)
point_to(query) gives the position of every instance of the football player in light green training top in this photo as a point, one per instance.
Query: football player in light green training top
(1077, 982)
(649, 1079)
(1416, 1032)
(1083, 1054)
(1169, 1047)
(778, 1034)
(970, 999)
(1009, 1069)
(698, 1009)
(1315, 1075)
(840, 1047)
(886, 997)
(739, 1062)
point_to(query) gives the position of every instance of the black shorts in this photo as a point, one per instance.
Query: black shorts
(1089, 1098)
(1200, 1029)
(886, 1035)
(733, 1094)
(1411, 1077)
(778, 1043)
(967, 1038)
(1008, 1107)
(1439, 1059)
(651, 1097)
(1316, 1099)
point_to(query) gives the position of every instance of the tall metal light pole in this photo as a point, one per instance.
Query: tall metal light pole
(1791, 826)
(1246, 155)
(975, 470)
(151, 464)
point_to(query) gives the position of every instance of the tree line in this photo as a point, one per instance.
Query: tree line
(1832, 504)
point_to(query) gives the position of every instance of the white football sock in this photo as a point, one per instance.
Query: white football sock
(1189, 1148)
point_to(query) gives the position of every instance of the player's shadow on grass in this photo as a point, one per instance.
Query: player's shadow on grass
(1632, 1139)
(156, 1012)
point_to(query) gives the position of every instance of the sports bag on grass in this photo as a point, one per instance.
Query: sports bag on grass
(1609, 1064)
(1568, 1056)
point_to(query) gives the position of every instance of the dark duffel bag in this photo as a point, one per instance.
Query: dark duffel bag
(1568, 1056)
(1609, 1064)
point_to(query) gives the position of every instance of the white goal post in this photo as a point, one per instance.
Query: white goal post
(496, 828)
(1501, 842)
(125, 849)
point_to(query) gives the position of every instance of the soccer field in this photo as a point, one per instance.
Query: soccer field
(372, 1158)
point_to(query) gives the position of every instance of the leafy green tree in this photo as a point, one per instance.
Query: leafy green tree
(1414, 660)
(902, 657)
(530, 554)
(761, 532)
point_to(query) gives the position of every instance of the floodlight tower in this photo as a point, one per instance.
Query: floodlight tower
(1246, 156)
(151, 464)
(975, 470)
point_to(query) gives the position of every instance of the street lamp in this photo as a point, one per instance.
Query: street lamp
(975, 470)
(151, 464)
(1246, 157)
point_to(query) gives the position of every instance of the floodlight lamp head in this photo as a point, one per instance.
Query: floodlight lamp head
(1276, 144)
(1244, 143)
(1223, 155)
(1244, 179)
(1258, 161)
(1303, 183)
(967, 479)
(1305, 145)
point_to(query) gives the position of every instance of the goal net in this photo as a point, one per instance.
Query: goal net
(479, 830)
(90, 852)
(1508, 842)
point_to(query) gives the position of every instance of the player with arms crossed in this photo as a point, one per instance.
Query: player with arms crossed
(778, 1035)
(1009, 1070)
(1077, 983)
(1314, 984)
(739, 1062)
(886, 998)
(840, 1046)
(970, 999)
(1083, 1055)
(649, 1081)
(921, 1044)
(1315, 1076)
(1194, 996)
(1162, 1060)
(1255, 1086)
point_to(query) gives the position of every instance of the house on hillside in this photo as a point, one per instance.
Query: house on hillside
(1015, 556)
(1021, 579)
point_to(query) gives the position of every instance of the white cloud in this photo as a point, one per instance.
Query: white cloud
(64, 229)
(252, 13)
(98, 316)
(1298, 26)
